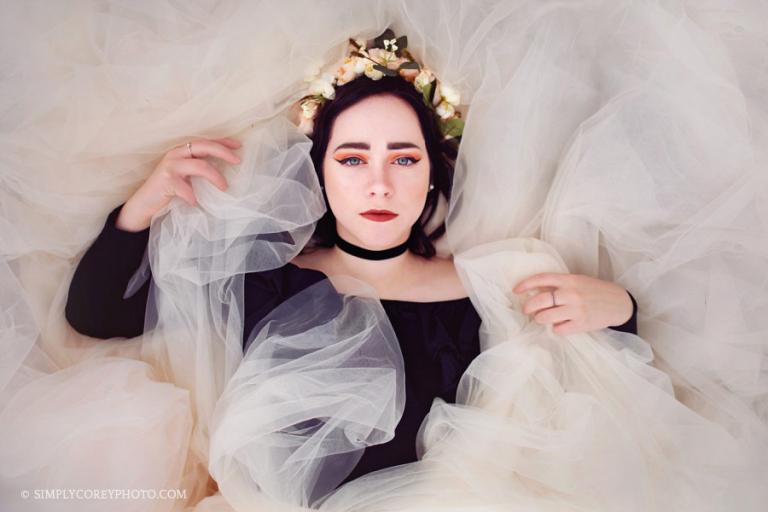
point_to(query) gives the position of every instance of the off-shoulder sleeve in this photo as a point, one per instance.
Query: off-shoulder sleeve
(631, 324)
(95, 305)
(265, 290)
(260, 296)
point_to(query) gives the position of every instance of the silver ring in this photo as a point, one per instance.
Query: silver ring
(189, 148)
(554, 302)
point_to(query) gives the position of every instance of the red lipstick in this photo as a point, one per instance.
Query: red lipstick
(379, 215)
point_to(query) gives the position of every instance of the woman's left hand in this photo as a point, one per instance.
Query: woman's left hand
(584, 303)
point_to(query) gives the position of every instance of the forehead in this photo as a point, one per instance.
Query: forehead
(383, 118)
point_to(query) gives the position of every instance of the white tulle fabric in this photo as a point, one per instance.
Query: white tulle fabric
(624, 140)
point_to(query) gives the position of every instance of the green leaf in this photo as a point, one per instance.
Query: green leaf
(409, 65)
(379, 41)
(385, 70)
(402, 43)
(453, 127)
(427, 91)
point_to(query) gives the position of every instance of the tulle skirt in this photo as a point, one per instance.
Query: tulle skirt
(623, 140)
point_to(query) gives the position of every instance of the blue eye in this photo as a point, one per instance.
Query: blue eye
(405, 160)
(350, 161)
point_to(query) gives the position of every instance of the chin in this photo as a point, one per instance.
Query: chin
(385, 236)
(379, 243)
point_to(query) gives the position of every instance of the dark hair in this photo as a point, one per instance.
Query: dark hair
(442, 156)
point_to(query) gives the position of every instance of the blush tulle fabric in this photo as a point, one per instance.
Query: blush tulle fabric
(620, 139)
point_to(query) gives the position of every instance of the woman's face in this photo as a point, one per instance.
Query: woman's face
(376, 160)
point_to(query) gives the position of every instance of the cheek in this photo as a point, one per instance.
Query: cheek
(417, 184)
(339, 189)
(413, 194)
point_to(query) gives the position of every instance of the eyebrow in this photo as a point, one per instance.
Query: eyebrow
(366, 146)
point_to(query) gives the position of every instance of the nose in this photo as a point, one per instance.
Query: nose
(380, 184)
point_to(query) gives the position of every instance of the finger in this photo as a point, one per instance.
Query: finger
(553, 315)
(202, 148)
(545, 299)
(184, 191)
(194, 167)
(538, 302)
(229, 142)
(566, 328)
(538, 280)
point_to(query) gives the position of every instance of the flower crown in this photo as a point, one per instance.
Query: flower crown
(386, 55)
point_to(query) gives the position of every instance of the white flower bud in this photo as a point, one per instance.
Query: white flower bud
(450, 95)
(423, 79)
(323, 86)
(445, 110)
(309, 109)
(373, 74)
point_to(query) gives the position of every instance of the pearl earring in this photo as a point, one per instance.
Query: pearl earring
(431, 187)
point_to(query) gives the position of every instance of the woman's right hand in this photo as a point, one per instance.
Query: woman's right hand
(171, 178)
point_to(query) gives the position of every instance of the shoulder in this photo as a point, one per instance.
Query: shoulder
(440, 281)
(281, 281)
(315, 260)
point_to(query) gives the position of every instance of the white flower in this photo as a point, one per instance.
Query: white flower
(383, 57)
(423, 79)
(348, 71)
(373, 74)
(390, 44)
(352, 68)
(309, 108)
(323, 85)
(445, 110)
(450, 95)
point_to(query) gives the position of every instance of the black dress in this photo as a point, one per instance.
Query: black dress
(438, 340)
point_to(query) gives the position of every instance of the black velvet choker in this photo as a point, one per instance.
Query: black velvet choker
(356, 250)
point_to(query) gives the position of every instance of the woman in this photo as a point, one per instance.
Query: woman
(377, 147)
(585, 153)
(408, 273)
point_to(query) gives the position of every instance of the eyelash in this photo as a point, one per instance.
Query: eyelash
(345, 161)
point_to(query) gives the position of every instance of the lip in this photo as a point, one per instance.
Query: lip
(374, 210)
(379, 215)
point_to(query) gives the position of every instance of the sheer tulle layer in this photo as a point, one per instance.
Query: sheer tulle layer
(624, 140)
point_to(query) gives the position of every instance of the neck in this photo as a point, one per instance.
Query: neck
(369, 254)
(374, 270)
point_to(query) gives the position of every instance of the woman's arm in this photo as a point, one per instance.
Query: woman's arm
(95, 306)
(576, 303)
